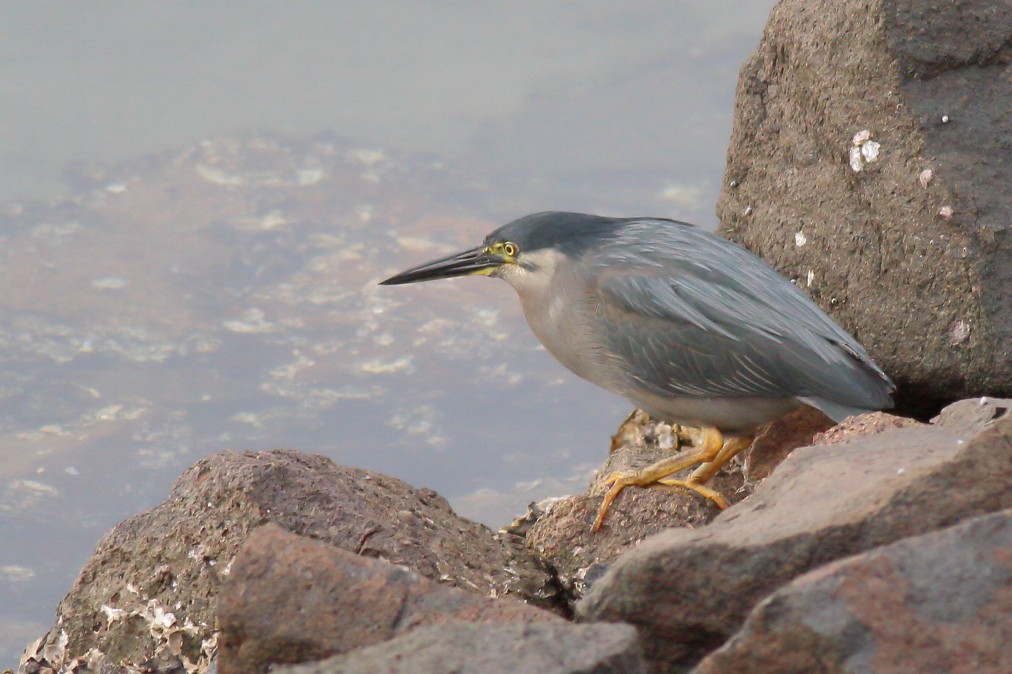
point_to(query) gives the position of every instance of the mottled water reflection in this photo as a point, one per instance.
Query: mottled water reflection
(223, 294)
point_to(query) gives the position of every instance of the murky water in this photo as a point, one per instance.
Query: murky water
(197, 204)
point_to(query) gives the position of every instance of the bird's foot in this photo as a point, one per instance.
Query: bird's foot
(702, 490)
(710, 442)
(618, 482)
(623, 479)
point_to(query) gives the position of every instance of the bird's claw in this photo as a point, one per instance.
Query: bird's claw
(705, 492)
(622, 479)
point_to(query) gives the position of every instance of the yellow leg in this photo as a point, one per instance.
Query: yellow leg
(705, 492)
(710, 444)
(731, 448)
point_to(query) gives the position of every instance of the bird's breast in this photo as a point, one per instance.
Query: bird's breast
(563, 325)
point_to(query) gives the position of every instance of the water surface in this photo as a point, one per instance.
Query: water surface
(197, 203)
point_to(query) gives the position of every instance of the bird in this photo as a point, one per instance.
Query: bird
(688, 326)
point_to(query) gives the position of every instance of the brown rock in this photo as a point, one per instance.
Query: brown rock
(941, 602)
(973, 413)
(563, 537)
(910, 250)
(688, 590)
(778, 439)
(544, 648)
(865, 424)
(293, 599)
(171, 559)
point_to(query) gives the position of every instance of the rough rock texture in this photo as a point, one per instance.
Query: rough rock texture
(172, 558)
(912, 253)
(865, 424)
(494, 649)
(562, 536)
(688, 590)
(292, 599)
(941, 602)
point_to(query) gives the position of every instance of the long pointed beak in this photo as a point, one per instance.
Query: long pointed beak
(470, 262)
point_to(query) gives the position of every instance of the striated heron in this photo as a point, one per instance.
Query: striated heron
(686, 325)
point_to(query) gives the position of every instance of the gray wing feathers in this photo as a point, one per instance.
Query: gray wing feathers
(720, 322)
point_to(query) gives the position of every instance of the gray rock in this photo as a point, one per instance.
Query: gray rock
(153, 583)
(291, 599)
(493, 649)
(870, 160)
(941, 602)
(688, 590)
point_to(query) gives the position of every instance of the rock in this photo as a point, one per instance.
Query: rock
(688, 590)
(293, 599)
(494, 649)
(974, 413)
(152, 585)
(864, 424)
(940, 602)
(562, 536)
(778, 439)
(870, 162)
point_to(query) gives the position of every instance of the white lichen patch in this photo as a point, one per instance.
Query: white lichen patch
(959, 332)
(863, 150)
(113, 614)
(666, 438)
(799, 238)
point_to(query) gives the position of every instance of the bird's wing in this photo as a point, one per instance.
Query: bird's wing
(723, 323)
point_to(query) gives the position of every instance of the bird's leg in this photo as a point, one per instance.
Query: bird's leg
(708, 469)
(710, 444)
(731, 449)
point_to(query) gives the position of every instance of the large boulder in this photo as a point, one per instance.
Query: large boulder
(493, 649)
(688, 590)
(152, 586)
(292, 599)
(941, 602)
(870, 161)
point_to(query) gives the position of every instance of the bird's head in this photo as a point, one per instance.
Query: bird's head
(527, 252)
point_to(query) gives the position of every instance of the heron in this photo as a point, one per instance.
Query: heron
(686, 325)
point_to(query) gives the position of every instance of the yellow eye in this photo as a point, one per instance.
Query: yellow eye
(510, 249)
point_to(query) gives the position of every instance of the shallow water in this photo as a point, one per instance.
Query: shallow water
(197, 204)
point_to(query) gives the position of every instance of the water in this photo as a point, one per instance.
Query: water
(197, 202)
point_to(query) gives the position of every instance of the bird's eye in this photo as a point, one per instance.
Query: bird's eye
(510, 249)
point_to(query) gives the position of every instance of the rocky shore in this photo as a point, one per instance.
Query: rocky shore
(862, 546)
(870, 164)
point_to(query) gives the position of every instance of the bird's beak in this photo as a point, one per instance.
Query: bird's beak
(477, 261)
